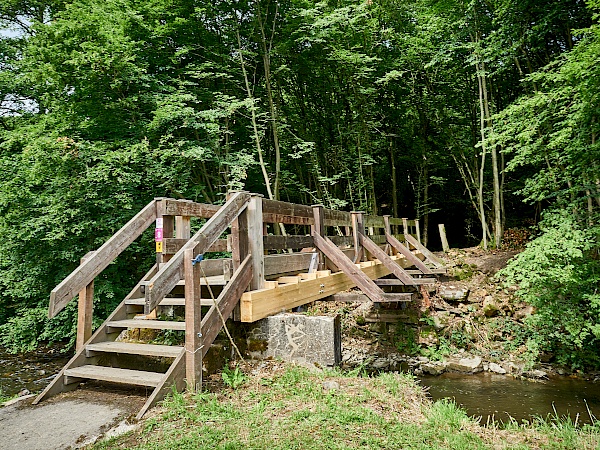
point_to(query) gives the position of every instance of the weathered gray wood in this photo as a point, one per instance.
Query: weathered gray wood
(287, 213)
(430, 256)
(352, 297)
(169, 275)
(147, 324)
(408, 254)
(67, 289)
(418, 229)
(173, 245)
(127, 348)
(388, 262)
(283, 242)
(182, 227)
(415, 282)
(102, 334)
(193, 321)
(405, 230)
(445, 245)
(115, 375)
(85, 311)
(167, 302)
(319, 228)
(362, 281)
(357, 228)
(175, 376)
(229, 297)
(254, 215)
(333, 218)
(373, 221)
(188, 208)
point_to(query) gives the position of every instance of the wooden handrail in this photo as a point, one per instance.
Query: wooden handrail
(83, 275)
(171, 273)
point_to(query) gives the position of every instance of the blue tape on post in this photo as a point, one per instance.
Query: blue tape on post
(197, 259)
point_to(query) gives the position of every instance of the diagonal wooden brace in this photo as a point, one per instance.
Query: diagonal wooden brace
(430, 256)
(407, 254)
(362, 281)
(388, 262)
(229, 297)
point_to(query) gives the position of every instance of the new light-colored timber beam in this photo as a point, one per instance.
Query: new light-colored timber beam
(256, 305)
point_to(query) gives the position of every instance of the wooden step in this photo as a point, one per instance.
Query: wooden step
(152, 324)
(216, 280)
(166, 351)
(168, 302)
(113, 375)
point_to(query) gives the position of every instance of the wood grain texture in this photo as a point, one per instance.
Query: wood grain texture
(395, 243)
(226, 302)
(169, 275)
(428, 255)
(374, 249)
(256, 305)
(62, 294)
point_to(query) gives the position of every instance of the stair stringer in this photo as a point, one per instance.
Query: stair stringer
(57, 385)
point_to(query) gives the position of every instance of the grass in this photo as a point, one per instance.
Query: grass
(4, 397)
(291, 409)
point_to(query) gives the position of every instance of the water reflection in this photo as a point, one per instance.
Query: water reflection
(501, 397)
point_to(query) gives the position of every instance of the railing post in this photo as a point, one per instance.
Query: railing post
(445, 245)
(85, 311)
(358, 227)
(387, 230)
(166, 225)
(405, 231)
(182, 227)
(418, 230)
(254, 216)
(319, 228)
(193, 320)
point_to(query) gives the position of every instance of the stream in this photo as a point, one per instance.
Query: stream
(500, 397)
(484, 395)
(32, 371)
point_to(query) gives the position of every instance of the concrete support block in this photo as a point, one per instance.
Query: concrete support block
(305, 340)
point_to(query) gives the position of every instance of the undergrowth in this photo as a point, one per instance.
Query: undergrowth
(293, 409)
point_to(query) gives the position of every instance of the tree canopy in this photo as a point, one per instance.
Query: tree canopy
(479, 114)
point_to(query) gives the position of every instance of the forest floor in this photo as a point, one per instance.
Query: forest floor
(467, 315)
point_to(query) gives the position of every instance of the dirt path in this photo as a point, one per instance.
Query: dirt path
(68, 421)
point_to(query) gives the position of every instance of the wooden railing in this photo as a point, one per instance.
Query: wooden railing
(248, 215)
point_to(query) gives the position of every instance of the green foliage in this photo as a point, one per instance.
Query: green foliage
(234, 378)
(558, 274)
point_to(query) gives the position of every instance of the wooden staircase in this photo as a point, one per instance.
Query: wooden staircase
(299, 278)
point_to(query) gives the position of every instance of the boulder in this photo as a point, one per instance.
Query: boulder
(449, 292)
(490, 307)
(496, 368)
(434, 367)
(471, 364)
(440, 319)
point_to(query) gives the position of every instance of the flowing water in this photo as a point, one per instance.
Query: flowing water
(500, 397)
(483, 395)
(32, 371)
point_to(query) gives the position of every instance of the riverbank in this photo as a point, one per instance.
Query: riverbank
(283, 406)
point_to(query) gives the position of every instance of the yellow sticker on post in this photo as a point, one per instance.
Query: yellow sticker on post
(159, 247)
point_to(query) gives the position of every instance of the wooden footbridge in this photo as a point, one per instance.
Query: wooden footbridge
(254, 283)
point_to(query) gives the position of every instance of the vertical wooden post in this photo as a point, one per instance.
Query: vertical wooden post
(168, 223)
(445, 245)
(405, 231)
(319, 228)
(255, 241)
(182, 227)
(387, 230)
(418, 229)
(85, 311)
(358, 227)
(193, 320)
